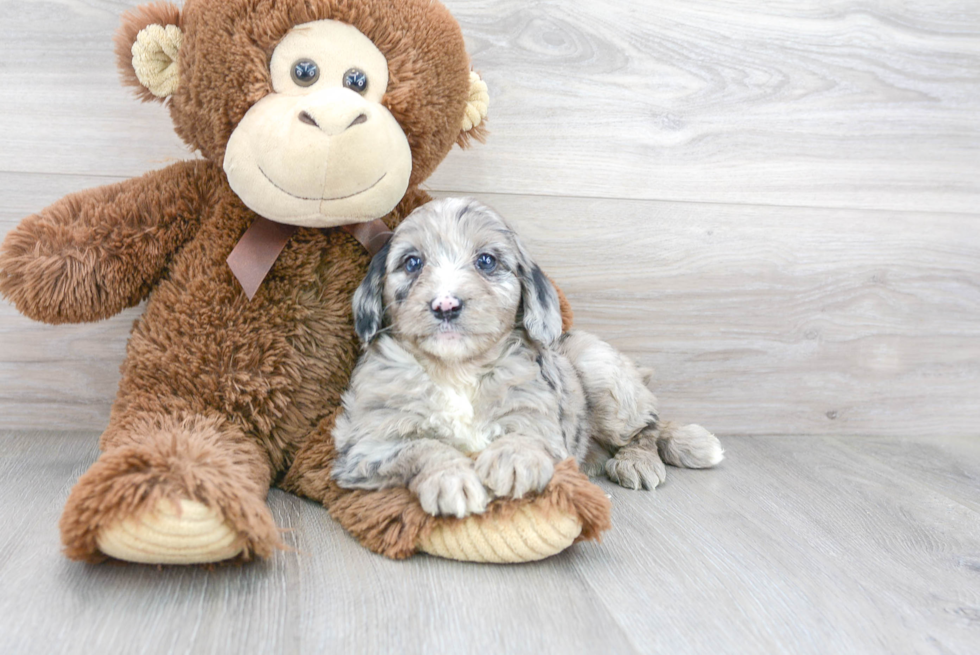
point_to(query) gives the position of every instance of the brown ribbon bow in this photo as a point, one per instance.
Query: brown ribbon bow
(259, 248)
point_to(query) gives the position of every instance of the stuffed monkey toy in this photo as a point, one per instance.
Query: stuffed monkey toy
(316, 121)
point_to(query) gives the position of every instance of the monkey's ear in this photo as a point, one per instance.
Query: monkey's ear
(147, 45)
(477, 104)
(368, 301)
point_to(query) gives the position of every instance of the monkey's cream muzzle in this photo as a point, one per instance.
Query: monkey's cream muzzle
(323, 159)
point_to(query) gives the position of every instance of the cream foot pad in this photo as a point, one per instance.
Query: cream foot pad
(525, 536)
(192, 534)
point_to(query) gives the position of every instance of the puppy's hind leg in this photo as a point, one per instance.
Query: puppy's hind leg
(637, 465)
(624, 421)
(622, 413)
(619, 403)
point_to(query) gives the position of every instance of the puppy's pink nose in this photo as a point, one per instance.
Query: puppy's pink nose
(446, 307)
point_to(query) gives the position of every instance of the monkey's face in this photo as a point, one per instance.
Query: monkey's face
(321, 112)
(321, 150)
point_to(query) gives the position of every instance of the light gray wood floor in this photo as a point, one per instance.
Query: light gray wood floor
(776, 205)
(794, 545)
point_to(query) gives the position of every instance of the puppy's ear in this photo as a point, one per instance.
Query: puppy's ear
(542, 311)
(368, 301)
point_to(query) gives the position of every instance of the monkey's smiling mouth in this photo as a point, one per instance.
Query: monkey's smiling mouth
(350, 195)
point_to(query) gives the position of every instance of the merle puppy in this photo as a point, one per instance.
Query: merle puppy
(468, 389)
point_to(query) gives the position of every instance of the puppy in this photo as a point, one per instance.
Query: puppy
(468, 389)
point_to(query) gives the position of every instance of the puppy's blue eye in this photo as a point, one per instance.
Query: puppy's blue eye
(413, 264)
(486, 262)
(305, 72)
(355, 80)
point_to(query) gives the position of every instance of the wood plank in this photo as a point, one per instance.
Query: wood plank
(807, 104)
(794, 545)
(428, 605)
(944, 463)
(326, 595)
(758, 320)
(63, 107)
(803, 545)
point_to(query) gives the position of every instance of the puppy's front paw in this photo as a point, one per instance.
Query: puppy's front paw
(451, 491)
(636, 468)
(512, 468)
(594, 462)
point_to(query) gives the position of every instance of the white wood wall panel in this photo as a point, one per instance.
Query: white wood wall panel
(844, 104)
(774, 204)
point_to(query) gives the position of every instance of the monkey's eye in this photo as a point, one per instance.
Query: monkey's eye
(305, 72)
(486, 262)
(355, 80)
(412, 264)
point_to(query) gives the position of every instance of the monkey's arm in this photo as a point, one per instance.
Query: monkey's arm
(94, 253)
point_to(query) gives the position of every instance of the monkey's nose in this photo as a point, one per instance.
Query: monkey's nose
(304, 117)
(333, 124)
(446, 307)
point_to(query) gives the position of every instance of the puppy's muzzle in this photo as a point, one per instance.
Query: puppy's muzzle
(446, 307)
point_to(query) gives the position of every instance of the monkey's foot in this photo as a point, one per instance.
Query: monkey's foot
(527, 535)
(188, 490)
(185, 532)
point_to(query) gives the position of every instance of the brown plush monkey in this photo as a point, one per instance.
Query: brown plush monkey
(310, 116)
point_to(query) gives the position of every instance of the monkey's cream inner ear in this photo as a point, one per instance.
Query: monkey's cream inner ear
(321, 154)
(156, 58)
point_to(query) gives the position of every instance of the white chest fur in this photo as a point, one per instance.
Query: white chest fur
(456, 418)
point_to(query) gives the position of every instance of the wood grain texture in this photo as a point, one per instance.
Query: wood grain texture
(757, 320)
(814, 545)
(843, 104)
(802, 545)
(774, 204)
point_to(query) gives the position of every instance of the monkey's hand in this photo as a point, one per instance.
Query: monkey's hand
(94, 253)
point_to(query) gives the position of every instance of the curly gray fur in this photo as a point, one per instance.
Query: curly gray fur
(481, 401)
